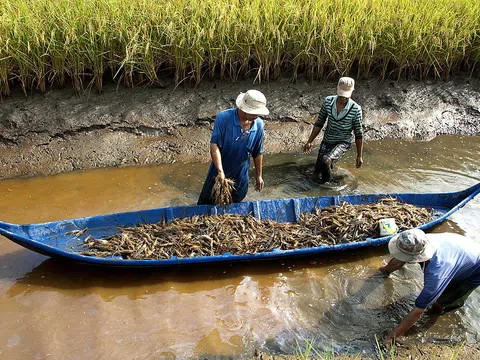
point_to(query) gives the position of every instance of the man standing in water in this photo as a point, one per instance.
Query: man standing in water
(237, 135)
(451, 266)
(344, 116)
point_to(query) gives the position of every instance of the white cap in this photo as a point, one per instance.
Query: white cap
(252, 102)
(345, 87)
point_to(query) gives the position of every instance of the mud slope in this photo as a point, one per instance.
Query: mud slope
(60, 131)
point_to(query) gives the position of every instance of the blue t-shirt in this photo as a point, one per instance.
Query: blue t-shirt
(236, 147)
(456, 259)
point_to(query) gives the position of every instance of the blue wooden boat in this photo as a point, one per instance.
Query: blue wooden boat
(51, 238)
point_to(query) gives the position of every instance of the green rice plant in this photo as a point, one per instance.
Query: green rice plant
(5, 66)
(145, 42)
(310, 351)
(391, 353)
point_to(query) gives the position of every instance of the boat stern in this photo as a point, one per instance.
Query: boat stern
(6, 229)
(14, 232)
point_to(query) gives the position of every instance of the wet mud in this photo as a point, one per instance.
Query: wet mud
(60, 131)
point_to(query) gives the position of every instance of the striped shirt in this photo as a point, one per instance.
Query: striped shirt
(340, 127)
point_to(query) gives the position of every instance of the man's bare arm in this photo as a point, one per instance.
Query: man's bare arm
(308, 146)
(392, 266)
(406, 323)
(359, 145)
(217, 159)
(258, 172)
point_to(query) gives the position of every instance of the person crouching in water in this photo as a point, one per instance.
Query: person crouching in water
(344, 116)
(451, 267)
(237, 135)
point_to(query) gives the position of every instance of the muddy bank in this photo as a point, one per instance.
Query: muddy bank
(420, 351)
(59, 131)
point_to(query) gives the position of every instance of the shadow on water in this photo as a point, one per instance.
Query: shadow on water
(367, 309)
(68, 276)
(354, 324)
(352, 317)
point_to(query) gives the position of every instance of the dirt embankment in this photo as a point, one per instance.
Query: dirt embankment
(418, 352)
(60, 131)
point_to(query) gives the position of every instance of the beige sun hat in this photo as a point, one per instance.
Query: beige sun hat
(411, 246)
(345, 86)
(252, 102)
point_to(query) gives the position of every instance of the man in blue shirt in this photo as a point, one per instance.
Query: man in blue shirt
(237, 136)
(451, 266)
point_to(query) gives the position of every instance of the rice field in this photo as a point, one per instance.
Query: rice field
(84, 43)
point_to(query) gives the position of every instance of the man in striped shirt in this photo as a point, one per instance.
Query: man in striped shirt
(344, 117)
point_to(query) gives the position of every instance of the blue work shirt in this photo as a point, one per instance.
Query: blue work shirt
(236, 147)
(455, 259)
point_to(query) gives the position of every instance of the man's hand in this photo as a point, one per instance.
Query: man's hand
(393, 265)
(260, 184)
(384, 272)
(359, 162)
(389, 341)
(307, 148)
(221, 176)
(406, 323)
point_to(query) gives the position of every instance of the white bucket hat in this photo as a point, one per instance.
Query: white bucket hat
(345, 87)
(252, 102)
(411, 246)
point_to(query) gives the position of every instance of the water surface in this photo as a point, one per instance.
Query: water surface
(55, 310)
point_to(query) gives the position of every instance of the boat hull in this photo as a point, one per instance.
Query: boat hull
(51, 238)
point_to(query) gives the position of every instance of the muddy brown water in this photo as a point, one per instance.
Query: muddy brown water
(56, 310)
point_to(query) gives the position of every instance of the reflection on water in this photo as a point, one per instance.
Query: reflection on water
(61, 310)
